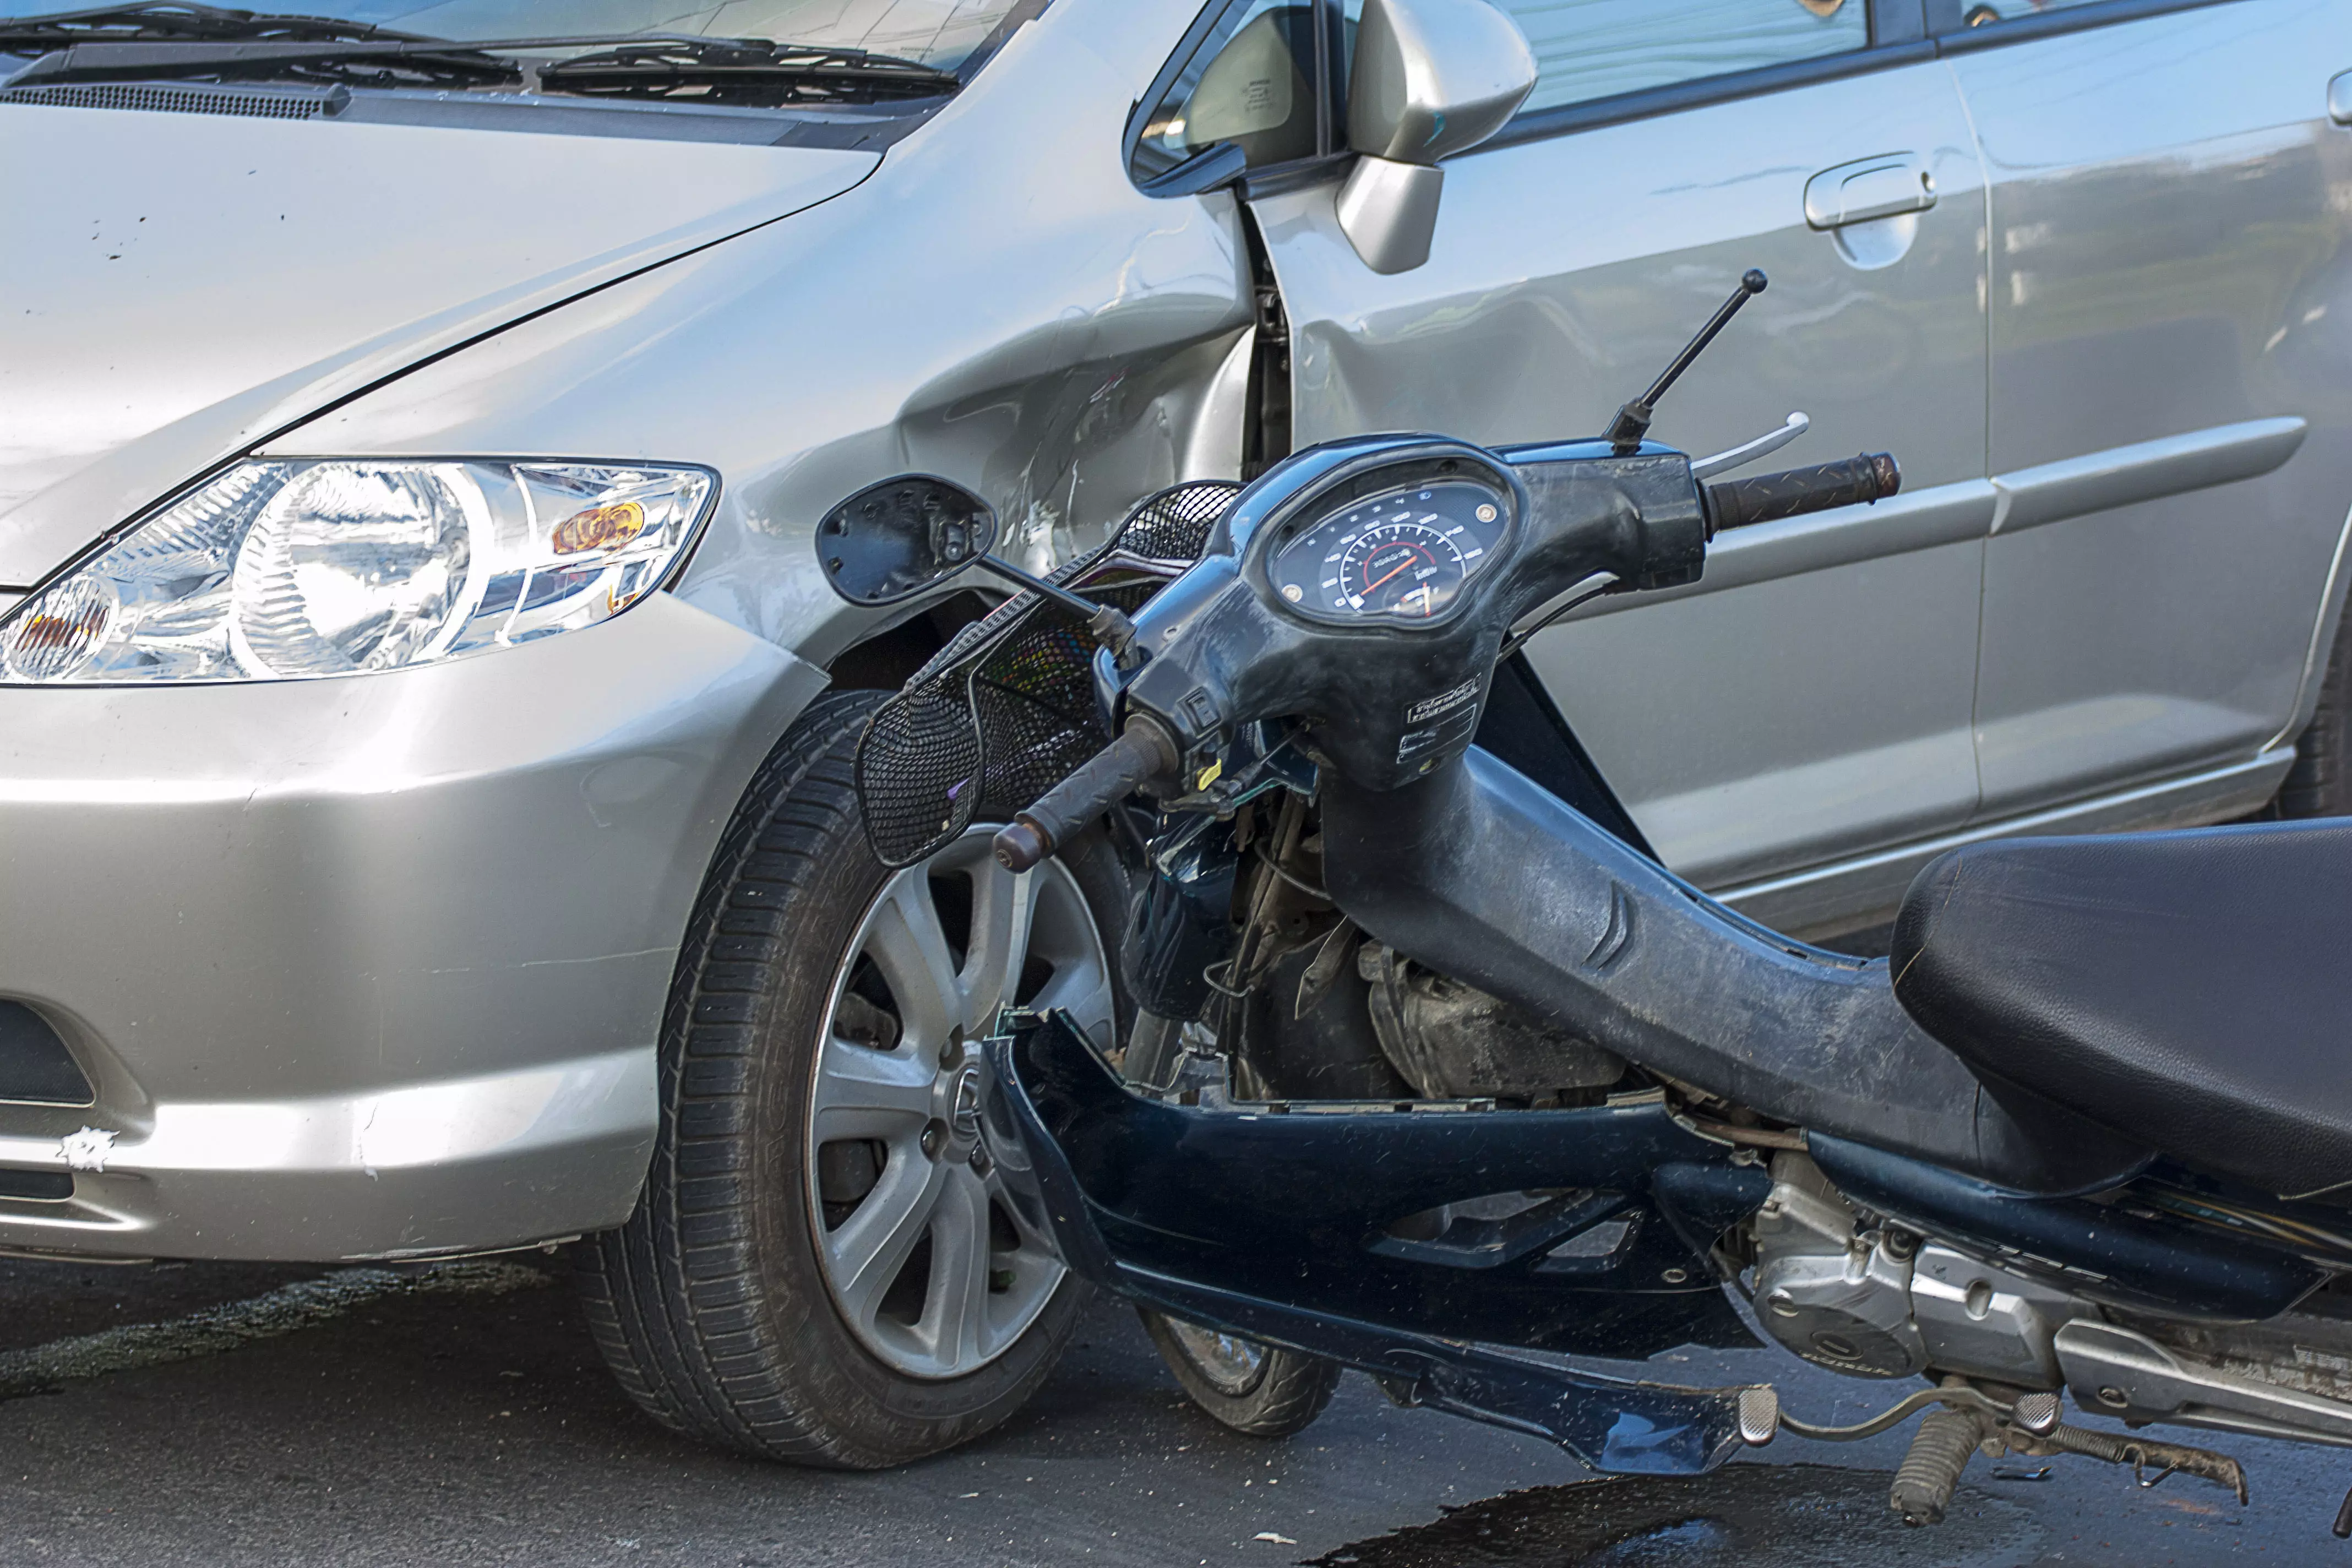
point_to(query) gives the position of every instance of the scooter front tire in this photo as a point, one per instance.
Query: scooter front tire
(1258, 1390)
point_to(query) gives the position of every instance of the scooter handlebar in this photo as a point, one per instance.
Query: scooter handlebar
(1141, 753)
(1768, 498)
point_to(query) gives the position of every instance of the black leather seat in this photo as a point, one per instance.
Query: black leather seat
(2192, 989)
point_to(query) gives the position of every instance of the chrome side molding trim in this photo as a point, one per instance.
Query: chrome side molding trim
(2121, 475)
(1973, 508)
(1859, 891)
(1915, 519)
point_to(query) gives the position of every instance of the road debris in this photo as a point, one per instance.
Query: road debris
(284, 1310)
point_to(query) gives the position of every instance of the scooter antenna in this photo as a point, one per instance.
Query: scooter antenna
(1633, 421)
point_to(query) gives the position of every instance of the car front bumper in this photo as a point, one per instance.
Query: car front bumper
(372, 966)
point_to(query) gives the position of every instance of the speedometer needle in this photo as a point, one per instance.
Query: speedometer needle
(1400, 566)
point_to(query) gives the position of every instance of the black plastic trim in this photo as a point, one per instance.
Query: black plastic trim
(37, 1186)
(1897, 22)
(1297, 174)
(1178, 59)
(35, 1066)
(1523, 727)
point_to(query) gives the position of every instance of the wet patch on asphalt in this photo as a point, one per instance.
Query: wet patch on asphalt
(1755, 1516)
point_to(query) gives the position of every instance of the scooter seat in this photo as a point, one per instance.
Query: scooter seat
(2191, 989)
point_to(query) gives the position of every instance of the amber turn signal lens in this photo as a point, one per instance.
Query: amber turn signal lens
(599, 527)
(48, 634)
(57, 631)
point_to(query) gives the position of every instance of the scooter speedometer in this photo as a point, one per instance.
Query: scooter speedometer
(1400, 556)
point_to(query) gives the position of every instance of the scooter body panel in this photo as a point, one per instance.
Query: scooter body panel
(1481, 874)
(1234, 1268)
(1299, 1207)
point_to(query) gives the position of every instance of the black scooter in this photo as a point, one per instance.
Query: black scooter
(1435, 1062)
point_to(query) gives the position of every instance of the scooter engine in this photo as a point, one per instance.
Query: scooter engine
(1885, 1303)
(1833, 1294)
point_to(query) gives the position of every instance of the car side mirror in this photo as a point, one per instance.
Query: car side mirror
(1431, 79)
(892, 540)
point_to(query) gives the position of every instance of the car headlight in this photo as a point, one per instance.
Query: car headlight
(279, 571)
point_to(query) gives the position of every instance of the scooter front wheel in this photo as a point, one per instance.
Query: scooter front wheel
(1258, 1389)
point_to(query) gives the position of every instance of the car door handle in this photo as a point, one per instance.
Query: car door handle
(1869, 188)
(2339, 98)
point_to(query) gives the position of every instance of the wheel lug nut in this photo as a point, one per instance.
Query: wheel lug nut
(935, 1136)
(982, 1159)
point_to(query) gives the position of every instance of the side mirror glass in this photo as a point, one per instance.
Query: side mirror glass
(1431, 79)
(890, 541)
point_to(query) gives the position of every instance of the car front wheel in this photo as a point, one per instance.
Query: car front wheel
(827, 1265)
(2320, 783)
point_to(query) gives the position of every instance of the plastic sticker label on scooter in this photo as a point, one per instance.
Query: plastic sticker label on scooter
(1429, 708)
(1448, 734)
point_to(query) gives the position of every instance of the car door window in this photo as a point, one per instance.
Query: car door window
(1599, 49)
(1251, 80)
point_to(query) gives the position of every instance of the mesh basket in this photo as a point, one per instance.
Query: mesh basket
(1006, 710)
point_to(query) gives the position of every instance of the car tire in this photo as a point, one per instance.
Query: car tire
(2320, 782)
(1260, 1391)
(843, 1301)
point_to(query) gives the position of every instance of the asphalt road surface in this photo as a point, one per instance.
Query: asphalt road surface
(196, 1413)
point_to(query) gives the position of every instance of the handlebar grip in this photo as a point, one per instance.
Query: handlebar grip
(1143, 751)
(1768, 498)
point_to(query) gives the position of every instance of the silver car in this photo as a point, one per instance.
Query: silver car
(426, 739)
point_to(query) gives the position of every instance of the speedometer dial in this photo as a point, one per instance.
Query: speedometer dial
(1400, 568)
(1401, 557)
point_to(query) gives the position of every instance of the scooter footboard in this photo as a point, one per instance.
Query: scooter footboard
(1280, 1225)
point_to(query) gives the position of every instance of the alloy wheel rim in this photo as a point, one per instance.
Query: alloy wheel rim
(933, 1261)
(1233, 1366)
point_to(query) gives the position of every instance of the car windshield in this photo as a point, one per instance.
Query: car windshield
(942, 33)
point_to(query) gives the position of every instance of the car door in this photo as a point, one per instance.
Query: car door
(1810, 702)
(2169, 286)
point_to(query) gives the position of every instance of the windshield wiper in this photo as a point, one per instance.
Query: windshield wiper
(743, 71)
(178, 20)
(657, 65)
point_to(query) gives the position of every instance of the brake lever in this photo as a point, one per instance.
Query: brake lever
(1764, 445)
